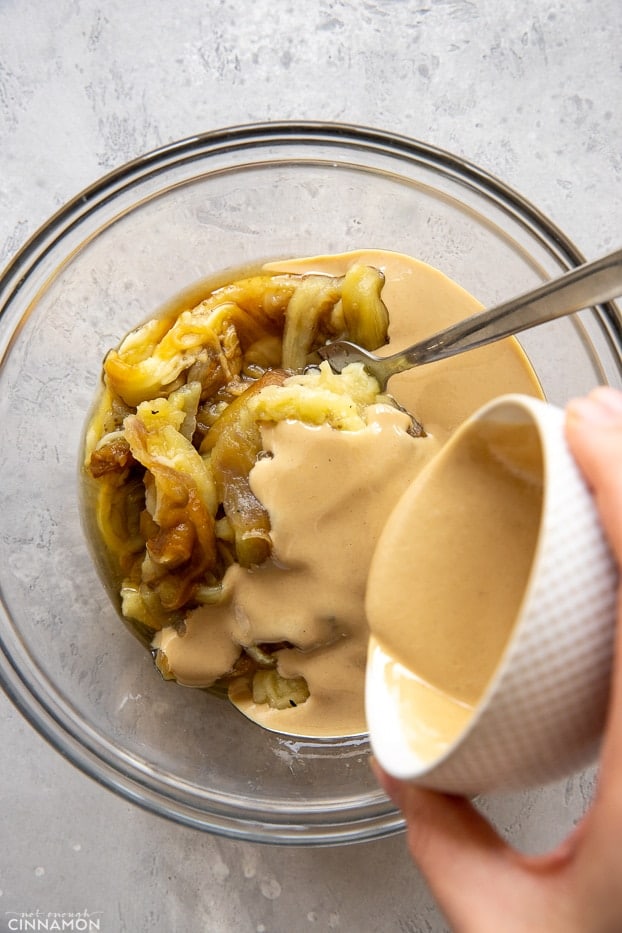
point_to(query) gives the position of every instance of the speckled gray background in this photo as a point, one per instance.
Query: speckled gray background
(531, 91)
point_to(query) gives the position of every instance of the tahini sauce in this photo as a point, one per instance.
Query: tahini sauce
(329, 494)
(449, 576)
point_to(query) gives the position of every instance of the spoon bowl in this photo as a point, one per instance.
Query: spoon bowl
(589, 284)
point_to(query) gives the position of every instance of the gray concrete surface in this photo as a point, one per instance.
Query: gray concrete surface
(530, 91)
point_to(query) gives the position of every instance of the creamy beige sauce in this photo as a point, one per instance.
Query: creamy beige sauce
(427, 719)
(449, 575)
(329, 494)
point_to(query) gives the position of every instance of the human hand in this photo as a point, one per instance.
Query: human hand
(480, 882)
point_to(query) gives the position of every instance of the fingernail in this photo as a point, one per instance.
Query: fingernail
(603, 406)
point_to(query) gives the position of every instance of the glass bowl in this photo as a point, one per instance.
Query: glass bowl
(106, 261)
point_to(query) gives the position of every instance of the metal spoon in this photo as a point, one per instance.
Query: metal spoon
(587, 285)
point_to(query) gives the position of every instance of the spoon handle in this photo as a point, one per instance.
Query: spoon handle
(587, 285)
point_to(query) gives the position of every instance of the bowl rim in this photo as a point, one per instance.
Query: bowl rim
(305, 132)
(375, 817)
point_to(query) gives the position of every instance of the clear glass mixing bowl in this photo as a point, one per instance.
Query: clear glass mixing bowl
(111, 257)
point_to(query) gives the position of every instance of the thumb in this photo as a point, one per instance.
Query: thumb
(456, 849)
(439, 824)
(594, 434)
